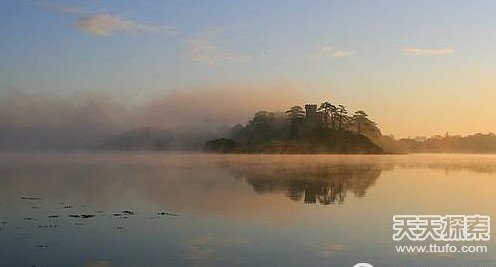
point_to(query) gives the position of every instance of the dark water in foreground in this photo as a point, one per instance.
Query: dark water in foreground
(232, 210)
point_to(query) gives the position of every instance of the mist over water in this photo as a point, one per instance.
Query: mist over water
(48, 120)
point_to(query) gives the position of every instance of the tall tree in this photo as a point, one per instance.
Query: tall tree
(327, 108)
(334, 117)
(359, 118)
(262, 120)
(296, 116)
(342, 116)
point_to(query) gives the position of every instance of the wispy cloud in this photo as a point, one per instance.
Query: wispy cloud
(204, 50)
(330, 52)
(105, 24)
(414, 51)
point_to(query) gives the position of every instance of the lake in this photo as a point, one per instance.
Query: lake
(233, 210)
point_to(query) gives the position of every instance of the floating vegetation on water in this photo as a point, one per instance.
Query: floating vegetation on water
(30, 198)
(124, 214)
(48, 226)
(167, 213)
(83, 216)
(128, 212)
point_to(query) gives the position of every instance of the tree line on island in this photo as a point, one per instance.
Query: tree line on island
(89, 125)
(324, 128)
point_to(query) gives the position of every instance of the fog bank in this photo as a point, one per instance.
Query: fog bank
(47, 120)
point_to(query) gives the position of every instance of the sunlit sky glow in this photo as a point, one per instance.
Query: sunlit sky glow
(418, 67)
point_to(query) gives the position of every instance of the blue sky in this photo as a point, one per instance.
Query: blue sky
(400, 60)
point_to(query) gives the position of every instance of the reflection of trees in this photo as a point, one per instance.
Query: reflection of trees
(182, 182)
(310, 183)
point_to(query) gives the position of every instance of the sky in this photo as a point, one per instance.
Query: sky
(417, 67)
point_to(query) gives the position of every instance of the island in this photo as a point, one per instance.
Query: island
(324, 128)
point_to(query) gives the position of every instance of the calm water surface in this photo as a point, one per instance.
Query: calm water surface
(232, 210)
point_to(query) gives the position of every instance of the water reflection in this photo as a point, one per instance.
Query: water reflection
(322, 183)
(231, 210)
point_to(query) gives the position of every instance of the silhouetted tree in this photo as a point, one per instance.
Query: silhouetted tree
(342, 116)
(296, 116)
(359, 119)
(236, 130)
(262, 120)
(327, 109)
(363, 125)
(334, 116)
